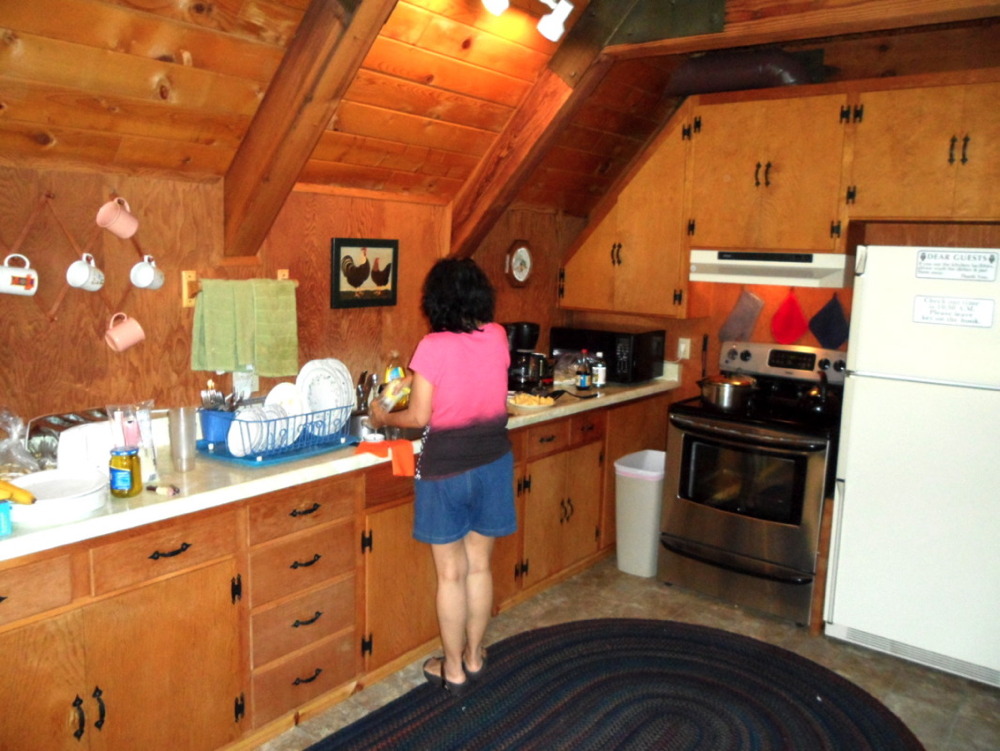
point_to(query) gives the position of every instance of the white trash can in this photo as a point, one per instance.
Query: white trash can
(638, 506)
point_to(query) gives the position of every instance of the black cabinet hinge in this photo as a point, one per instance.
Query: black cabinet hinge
(366, 645)
(524, 567)
(852, 193)
(834, 229)
(239, 708)
(859, 113)
(562, 282)
(236, 588)
(685, 132)
(697, 124)
(678, 296)
(845, 113)
(526, 484)
(597, 534)
(691, 226)
(366, 541)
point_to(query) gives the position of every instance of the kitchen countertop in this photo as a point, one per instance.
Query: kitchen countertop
(215, 482)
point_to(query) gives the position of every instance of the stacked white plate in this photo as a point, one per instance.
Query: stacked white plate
(326, 384)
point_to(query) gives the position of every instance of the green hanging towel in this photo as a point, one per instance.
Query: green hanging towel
(213, 335)
(276, 344)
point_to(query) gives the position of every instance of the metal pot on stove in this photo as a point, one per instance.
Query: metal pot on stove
(728, 393)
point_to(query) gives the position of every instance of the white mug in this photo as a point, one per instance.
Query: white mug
(116, 216)
(145, 274)
(84, 274)
(18, 280)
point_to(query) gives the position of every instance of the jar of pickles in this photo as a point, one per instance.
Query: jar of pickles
(126, 472)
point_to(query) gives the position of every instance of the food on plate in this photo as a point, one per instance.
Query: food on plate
(520, 399)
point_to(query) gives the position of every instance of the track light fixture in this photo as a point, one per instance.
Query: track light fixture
(552, 26)
(496, 7)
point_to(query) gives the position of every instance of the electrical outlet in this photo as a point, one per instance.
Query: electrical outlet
(245, 384)
(683, 349)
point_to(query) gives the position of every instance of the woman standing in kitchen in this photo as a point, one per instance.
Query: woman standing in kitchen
(464, 476)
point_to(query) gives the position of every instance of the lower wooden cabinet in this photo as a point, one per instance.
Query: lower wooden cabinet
(304, 559)
(400, 582)
(156, 667)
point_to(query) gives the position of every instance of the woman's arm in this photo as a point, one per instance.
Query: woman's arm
(418, 409)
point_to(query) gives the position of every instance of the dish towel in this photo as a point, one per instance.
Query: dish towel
(401, 451)
(242, 325)
(829, 325)
(276, 341)
(788, 323)
(213, 335)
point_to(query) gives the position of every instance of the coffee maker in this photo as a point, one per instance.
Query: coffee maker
(527, 367)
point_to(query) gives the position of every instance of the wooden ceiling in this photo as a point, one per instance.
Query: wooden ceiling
(432, 100)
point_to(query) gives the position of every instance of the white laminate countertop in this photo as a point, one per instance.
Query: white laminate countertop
(215, 482)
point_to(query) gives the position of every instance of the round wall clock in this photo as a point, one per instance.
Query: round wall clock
(518, 263)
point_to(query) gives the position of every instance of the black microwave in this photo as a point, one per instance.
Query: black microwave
(631, 356)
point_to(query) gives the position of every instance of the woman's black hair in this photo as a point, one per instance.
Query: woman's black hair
(457, 296)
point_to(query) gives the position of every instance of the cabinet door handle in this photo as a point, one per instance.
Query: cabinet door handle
(81, 718)
(618, 254)
(306, 511)
(965, 149)
(310, 679)
(102, 712)
(308, 621)
(951, 149)
(563, 517)
(614, 246)
(756, 176)
(569, 502)
(303, 564)
(157, 555)
(546, 439)
(767, 175)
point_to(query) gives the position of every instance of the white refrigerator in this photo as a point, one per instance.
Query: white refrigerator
(915, 548)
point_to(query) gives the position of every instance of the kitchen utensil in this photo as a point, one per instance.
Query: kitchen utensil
(18, 280)
(116, 217)
(183, 425)
(728, 393)
(84, 274)
(123, 332)
(559, 392)
(146, 275)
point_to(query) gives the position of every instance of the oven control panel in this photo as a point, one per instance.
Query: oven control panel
(786, 361)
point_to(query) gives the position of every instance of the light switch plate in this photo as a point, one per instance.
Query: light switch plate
(245, 384)
(683, 349)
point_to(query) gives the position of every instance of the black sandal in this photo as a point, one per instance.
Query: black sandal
(433, 678)
(475, 675)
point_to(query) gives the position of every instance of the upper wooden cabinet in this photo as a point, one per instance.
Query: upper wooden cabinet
(767, 174)
(931, 152)
(633, 261)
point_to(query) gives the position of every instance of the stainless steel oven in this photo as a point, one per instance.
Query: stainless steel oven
(745, 489)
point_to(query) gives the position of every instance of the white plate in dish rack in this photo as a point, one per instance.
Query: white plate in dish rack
(326, 384)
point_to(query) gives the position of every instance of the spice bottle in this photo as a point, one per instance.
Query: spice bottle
(583, 371)
(125, 472)
(599, 369)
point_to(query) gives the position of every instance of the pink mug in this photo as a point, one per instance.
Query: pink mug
(123, 332)
(116, 216)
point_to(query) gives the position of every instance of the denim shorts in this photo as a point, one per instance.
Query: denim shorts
(479, 500)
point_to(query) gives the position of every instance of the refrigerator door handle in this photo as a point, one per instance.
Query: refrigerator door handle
(861, 260)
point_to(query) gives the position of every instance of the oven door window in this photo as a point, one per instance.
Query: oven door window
(747, 480)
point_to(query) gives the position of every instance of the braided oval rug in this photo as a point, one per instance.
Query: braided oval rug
(636, 684)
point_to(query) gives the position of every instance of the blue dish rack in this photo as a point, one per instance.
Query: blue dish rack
(318, 433)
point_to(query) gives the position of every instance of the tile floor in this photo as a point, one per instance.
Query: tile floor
(946, 712)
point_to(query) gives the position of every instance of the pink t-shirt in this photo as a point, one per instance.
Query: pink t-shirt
(469, 375)
(468, 425)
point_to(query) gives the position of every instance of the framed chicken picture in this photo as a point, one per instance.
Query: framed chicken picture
(363, 272)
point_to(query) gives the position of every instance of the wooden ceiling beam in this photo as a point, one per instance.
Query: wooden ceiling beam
(319, 65)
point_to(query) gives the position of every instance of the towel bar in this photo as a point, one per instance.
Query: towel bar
(190, 286)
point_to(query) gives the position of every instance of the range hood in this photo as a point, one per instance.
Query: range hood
(783, 269)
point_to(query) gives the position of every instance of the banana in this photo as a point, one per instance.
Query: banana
(9, 492)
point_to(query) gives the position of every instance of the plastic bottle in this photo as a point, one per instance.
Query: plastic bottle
(583, 372)
(394, 395)
(599, 369)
